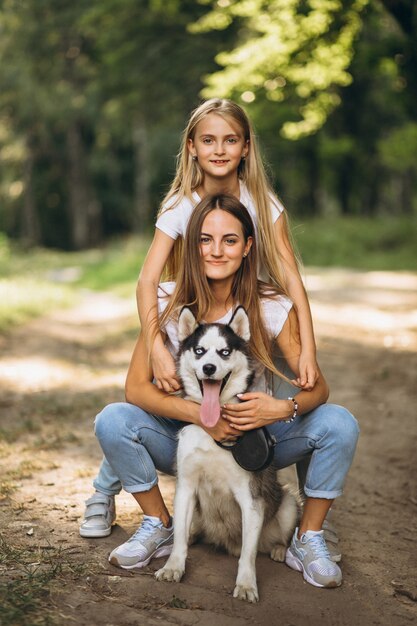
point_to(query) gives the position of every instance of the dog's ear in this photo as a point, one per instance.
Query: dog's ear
(240, 323)
(186, 323)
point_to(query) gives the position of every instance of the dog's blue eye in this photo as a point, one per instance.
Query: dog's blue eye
(199, 351)
(224, 352)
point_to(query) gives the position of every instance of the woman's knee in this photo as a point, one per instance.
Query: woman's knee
(337, 425)
(109, 421)
(344, 426)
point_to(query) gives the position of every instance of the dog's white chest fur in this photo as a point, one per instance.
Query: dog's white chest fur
(214, 469)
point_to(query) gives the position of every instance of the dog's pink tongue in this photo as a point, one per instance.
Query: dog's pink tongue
(210, 407)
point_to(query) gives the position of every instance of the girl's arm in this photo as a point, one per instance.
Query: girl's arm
(260, 409)
(147, 302)
(308, 368)
(140, 391)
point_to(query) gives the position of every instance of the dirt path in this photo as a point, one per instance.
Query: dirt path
(58, 371)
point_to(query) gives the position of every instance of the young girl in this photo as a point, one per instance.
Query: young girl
(219, 154)
(219, 272)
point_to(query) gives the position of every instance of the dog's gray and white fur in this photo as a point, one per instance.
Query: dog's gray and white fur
(215, 498)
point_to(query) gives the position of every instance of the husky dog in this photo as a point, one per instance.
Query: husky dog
(215, 498)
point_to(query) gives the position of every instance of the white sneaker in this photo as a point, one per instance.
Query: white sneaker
(99, 515)
(310, 555)
(150, 541)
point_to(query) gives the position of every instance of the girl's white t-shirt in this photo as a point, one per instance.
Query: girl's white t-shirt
(275, 311)
(173, 222)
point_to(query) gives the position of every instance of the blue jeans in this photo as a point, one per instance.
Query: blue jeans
(136, 444)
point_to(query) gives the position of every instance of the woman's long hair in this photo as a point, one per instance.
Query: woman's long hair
(193, 287)
(189, 176)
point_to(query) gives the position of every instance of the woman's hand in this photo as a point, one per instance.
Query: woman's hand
(256, 409)
(164, 371)
(309, 372)
(223, 431)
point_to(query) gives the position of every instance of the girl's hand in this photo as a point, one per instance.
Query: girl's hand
(257, 409)
(309, 372)
(222, 431)
(164, 371)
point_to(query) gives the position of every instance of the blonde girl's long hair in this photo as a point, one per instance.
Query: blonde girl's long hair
(193, 287)
(251, 171)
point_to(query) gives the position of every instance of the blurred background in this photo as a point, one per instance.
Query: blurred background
(94, 96)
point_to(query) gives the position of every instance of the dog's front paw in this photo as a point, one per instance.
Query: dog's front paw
(169, 574)
(246, 592)
(278, 553)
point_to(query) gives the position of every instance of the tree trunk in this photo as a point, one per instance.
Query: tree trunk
(407, 192)
(30, 226)
(405, 13)
(313, 178)
(346, 174)
(142, 205)
(84, 208)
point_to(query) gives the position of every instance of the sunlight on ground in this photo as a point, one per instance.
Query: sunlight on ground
(97, 308)
(372, 308)
(377, 308)
(44, 374)
(375, 326)
(340, 277)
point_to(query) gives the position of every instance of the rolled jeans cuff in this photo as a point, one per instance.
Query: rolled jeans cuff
(140, 487)
(325, 495)
(107, 492)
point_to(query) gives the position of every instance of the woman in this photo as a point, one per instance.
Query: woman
(218, 272)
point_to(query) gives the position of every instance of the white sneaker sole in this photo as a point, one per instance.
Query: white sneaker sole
(295, 563)
(94, 533)
(164, 551)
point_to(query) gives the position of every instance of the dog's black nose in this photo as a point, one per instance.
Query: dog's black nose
(209, 369)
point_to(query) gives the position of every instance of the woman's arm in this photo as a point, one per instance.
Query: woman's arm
(309, 370)
(146, 297)
(260, 409)
(140, 391)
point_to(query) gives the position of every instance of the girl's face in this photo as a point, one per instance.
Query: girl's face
(222, 245)
(219, 146)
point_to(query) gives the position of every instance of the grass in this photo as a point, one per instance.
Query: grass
(356, 242)
(26, 573)
(24, 298)
(35, 281)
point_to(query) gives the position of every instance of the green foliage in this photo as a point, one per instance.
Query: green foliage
(287, 50)
(80, 113)
(94, 95)
(399, 148)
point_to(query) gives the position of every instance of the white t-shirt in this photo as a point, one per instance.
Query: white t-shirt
(275, 310)
(174, 222)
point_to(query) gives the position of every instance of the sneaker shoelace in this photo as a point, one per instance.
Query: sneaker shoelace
(144, 531)
(319, 546)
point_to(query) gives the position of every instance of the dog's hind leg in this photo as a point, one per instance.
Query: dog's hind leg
(252, 521)
(184, 503)
(285, 521)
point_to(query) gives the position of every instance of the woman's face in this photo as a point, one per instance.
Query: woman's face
(222, 245)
